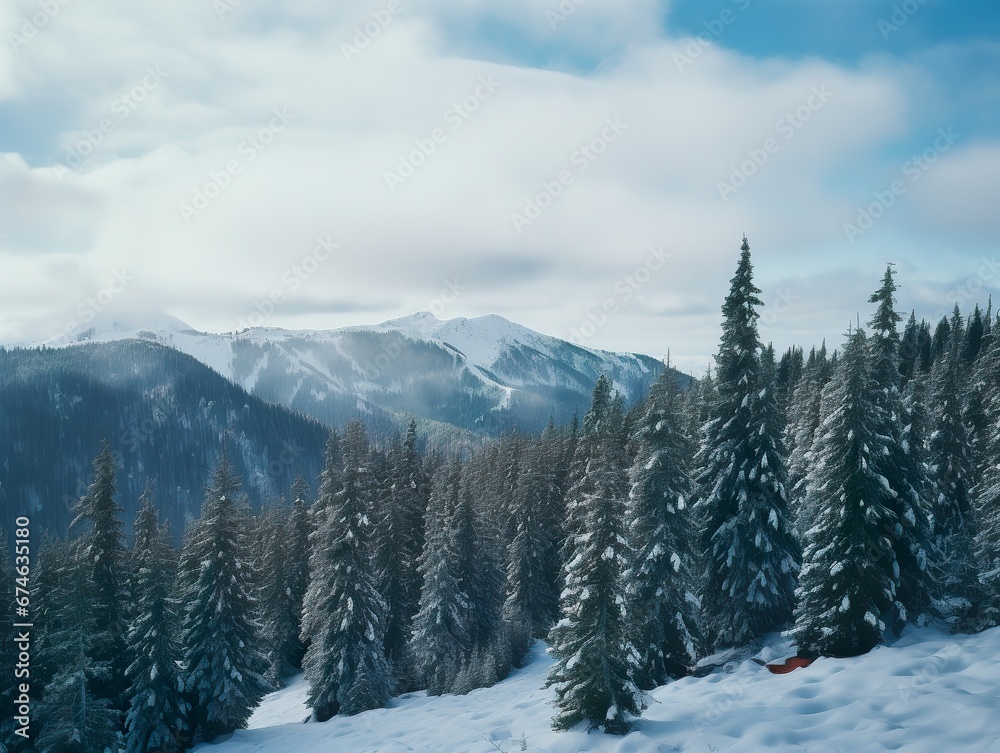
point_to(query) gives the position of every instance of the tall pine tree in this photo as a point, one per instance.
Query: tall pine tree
(157, 716)
(848, 579)
(298, 551)
(803, 419)
(951, 466)
(532, 590)
(661, 532)
(74, 718)
(279, 614)
(399, 542)
(224, 665)
(897, 461)
(442, 631)
(987, 490)
(595, 658)
(102, 547)
(344, 614)
(753, 556)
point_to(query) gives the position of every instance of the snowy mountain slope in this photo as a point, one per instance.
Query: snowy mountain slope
(928, 693)
(484, 374)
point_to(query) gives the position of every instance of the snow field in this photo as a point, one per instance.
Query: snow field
(928, 693)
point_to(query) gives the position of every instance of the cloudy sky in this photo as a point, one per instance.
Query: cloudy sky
(547, 161)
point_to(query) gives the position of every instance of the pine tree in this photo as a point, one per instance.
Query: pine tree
(925, 349)
(478, 565)
(660, 533)
(848, 576)
(752, 551)
(941, 338)
(509, 457)
(49, 574)
(297, 568)
(595, 658)
(803, 420)
(279, 616)
(399, 542)
(986, 378)
(973, 337)
(223, 663)
(952, 479)
(344, 614)
(532, 590)
(74, 719)
(102, 546)
(909, 349)
(897, 461)
(559, 445)
(441, 629)
(987, 490)
(329, 478)
(787, 376)
(157, 717)
(976, 418)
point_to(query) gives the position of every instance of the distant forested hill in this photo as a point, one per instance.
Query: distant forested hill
(166, 415)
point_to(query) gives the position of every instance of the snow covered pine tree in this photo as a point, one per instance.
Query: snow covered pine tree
(157, 717)
(897, 462)
(441, 636)
(344, 614)
(595, 658)
(749, 540)
(102, 547)
(660, 579)
(224, 666)
(848, 578)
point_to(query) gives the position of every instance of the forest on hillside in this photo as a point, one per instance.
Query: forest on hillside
(838, 495)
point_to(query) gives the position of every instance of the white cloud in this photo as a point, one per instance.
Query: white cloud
(324, 173)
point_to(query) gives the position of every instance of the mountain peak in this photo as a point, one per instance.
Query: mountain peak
(419, 321)
(112, 324)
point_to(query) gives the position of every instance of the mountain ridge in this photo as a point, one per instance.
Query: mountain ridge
(484, 374)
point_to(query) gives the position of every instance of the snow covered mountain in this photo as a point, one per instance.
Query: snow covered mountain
(484, 374)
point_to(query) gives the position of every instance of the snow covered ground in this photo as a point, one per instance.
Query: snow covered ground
(928, 693)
